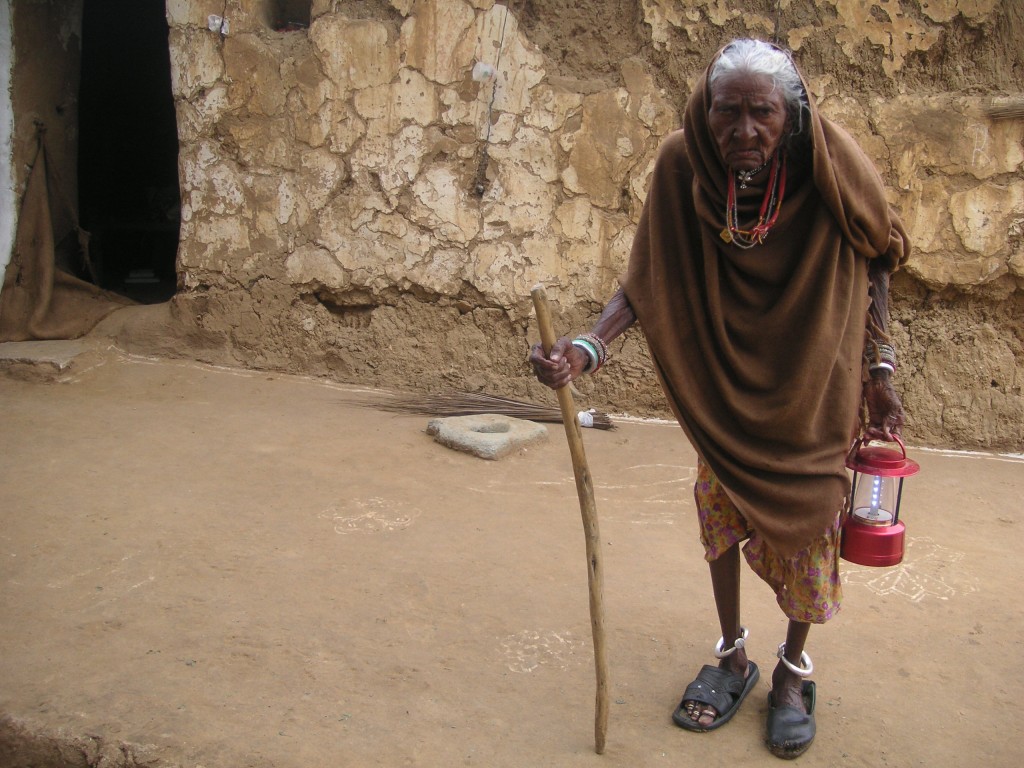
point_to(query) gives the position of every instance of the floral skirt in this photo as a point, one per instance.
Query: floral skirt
(806, 585)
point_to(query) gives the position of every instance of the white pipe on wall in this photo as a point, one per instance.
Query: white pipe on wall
(8, 209)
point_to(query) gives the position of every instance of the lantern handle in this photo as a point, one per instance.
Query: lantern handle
(854, 449)
(862, 440)
(896, 439)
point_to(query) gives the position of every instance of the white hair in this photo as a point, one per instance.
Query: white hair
(755, 57)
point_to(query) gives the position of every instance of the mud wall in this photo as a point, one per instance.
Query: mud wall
(44, 87)
(356, 204)
(44, 74)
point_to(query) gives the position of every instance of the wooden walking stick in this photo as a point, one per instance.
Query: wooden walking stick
(585, 491)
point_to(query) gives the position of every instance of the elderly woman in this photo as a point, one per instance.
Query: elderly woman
(759, 276)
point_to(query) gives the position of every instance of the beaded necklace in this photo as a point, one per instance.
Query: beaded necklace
(770, 206)
(746, 176)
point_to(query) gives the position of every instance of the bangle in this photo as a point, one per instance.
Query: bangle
(592, 358)
(599, 347)
(881, 367)
(880, 353)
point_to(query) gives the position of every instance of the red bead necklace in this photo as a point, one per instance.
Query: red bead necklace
(770, 206)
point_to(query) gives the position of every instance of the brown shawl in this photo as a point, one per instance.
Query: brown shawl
(759, 351)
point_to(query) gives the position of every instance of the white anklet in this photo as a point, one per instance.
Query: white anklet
(721, 653)
(805, 670)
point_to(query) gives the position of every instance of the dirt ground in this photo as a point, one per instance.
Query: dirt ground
(223, 568)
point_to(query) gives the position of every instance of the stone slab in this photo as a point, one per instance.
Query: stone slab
(487, 436)
(59, 354)
(41, 360)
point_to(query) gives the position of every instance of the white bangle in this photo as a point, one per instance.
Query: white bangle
(806, 668)
(741, 641)
(887, 366)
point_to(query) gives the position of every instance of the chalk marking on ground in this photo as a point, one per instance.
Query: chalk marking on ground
(929, 570)
(529, 649)
(71, 578)
(659, 503)
(124, 593)
(1015, 458)
(368, 516)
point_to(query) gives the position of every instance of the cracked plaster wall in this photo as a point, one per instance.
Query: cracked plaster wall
(333, 221)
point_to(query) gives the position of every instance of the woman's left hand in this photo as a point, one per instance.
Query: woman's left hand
(885, 410)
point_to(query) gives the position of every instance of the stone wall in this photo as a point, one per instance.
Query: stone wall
(357, 204)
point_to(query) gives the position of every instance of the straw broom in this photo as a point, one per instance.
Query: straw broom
(1011, 108)
(474, 403)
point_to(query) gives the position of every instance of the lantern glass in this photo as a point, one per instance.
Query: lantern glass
(875, 499)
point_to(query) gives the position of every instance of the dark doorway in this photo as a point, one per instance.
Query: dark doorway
(128, 148)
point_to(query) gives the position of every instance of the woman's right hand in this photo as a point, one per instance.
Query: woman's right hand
(885, 411)
(564, 364)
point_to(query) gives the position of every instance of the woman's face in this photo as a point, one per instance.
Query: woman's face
(748, 119)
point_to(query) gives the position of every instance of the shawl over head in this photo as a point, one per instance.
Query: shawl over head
(759, 351)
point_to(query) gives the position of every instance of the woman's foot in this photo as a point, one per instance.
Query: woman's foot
(787, 688)
(704, 714)
(791, 727)
(715, 696)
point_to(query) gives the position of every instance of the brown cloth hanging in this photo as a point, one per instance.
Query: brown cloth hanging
(38, 299)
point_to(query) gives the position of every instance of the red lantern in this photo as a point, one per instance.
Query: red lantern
(873, 533)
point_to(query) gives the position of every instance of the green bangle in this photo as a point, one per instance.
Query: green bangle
(588, 348)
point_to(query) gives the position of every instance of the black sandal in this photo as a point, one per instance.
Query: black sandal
(718, 688)
(790, 730)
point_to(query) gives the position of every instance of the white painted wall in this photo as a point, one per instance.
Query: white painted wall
(8, 209)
